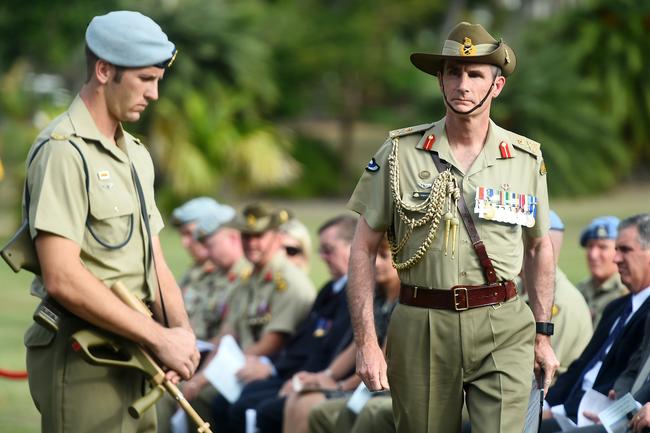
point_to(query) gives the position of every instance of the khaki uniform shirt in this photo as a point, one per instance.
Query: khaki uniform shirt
(598, 297)
(194, 274)
(60, 204)
(522, 173)
(220, 289)
(572, 319)
(195, 294)
(276, 299)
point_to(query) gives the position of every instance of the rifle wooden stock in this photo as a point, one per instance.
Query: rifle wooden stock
(131, 355)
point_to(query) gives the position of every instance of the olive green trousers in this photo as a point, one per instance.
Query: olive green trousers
(74, 396)
(436, 357)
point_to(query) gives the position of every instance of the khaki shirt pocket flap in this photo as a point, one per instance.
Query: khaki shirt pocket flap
(102, 208)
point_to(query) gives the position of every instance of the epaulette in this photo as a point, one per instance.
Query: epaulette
(245, 274)
(526, 144)
(59, 137)
(410, 130)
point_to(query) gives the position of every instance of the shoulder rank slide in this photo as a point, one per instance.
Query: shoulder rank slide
(410, 130)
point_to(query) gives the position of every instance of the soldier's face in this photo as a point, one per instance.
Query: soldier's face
(632, 260)
(466, 84)
(129, 96)
(198, 252)
(600, 258)
(259, 249)
(219, 246)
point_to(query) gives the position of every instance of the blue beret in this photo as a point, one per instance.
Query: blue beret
(129, 39)
(556, 222)
(600, 228)
(194, 210)
(213, 220)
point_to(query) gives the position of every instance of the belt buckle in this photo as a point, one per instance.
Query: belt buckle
(457, 291)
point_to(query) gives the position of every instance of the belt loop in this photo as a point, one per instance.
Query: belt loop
(415, 292)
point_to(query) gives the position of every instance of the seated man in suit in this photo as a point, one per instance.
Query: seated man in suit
(618, 333)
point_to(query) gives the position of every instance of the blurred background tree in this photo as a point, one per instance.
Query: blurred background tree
(291, 98)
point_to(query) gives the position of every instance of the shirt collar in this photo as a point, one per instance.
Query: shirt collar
(85, 127)
(639, 298)
(488, 155)
(338, 285)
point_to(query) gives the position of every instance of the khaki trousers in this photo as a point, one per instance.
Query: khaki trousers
(433, 355)
(333, 416)
(74, 396)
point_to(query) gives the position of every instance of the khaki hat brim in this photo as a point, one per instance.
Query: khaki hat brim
(431, 63)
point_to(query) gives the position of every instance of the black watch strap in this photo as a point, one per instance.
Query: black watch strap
(545, 328)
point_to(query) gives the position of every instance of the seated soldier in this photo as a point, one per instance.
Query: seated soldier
(299, 404)
(604, 283)
(267, 307)
(185, 219)
(224, 248)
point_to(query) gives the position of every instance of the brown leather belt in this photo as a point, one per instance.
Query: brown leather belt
(458, 298)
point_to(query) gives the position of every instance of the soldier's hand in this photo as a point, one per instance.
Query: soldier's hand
(254, 369)
(192, 387)
(641, 421)
(371, 367)
(176, 349)
(545, 360)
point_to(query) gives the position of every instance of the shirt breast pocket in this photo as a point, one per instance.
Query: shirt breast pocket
(112, 218)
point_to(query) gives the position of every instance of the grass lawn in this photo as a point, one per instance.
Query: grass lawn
(17, 413)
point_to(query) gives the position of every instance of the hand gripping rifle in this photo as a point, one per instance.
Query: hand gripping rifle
(101, 348)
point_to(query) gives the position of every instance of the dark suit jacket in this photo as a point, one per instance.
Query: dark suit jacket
(624, 383)
(319, 338)
(614, 363)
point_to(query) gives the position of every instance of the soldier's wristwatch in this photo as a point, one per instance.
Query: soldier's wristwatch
(544, 328)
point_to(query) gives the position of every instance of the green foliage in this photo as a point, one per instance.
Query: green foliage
(547, 101)
(318, 162)
(607, 40)
(209, 132)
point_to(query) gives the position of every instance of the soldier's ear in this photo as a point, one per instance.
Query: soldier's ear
(104, 71)
(499, 83)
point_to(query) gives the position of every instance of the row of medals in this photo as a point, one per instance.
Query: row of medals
(505, 206)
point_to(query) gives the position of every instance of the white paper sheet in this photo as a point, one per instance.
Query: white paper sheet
(223, 367)
(564, 422)
(359, 398)
(593, 402)
(615, 417)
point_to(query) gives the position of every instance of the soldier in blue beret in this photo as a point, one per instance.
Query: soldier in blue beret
(186, 219)
(604, 283)
(94, 221)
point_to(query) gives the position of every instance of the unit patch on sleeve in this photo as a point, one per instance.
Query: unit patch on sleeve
(372, 166)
